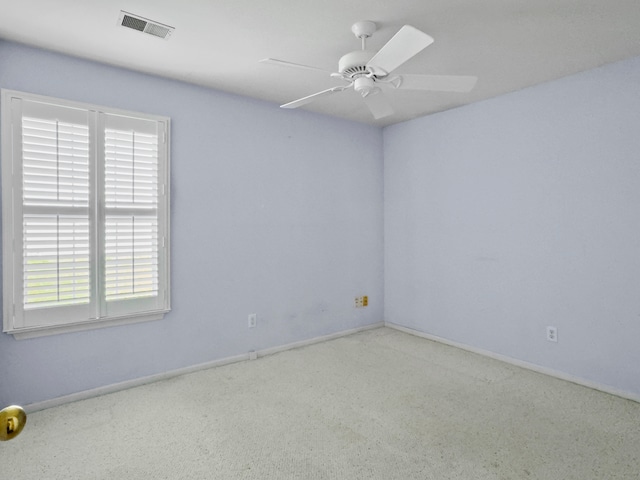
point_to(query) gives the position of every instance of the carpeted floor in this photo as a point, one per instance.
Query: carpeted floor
(380, 404)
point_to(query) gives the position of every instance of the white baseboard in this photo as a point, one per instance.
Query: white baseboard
(324, 338)
(520, 363)
(136, 382)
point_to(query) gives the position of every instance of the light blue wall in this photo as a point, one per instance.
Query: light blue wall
(274, 212)
(500, 218)
(520, 212)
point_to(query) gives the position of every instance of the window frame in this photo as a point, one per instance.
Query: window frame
(12, 221)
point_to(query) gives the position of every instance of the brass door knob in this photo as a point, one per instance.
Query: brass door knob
(12, 420)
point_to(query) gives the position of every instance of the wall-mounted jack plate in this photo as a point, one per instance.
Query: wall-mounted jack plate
(253, 320)
(362, 301)
(552, 334)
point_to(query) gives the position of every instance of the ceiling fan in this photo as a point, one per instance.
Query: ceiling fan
(366, 71)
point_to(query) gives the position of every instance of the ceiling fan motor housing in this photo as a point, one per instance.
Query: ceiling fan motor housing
(355, 63)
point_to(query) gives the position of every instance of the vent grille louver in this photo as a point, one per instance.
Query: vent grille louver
(145, 25)
(355, 70)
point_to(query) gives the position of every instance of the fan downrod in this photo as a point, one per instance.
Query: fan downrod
(353, 64)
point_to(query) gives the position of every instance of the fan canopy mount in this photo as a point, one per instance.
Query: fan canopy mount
(363, 29)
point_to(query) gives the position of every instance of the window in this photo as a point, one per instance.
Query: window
(85, 222)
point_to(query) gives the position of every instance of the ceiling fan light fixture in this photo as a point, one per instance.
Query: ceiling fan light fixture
(364, 85)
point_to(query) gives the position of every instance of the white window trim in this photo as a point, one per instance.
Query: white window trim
(13, 261)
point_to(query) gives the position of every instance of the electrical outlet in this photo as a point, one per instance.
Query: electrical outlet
(253, 320)
(552, 334)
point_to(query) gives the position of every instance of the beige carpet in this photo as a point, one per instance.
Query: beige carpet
(375, 405)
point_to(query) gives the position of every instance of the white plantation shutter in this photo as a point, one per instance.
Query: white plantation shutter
(55, 200)
(134, 231)
(56, 260)
(131, 204)
(131, 257)
(131, 170)
(55, 163)
(85, 215)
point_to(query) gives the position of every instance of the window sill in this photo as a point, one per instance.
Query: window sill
(47, 330)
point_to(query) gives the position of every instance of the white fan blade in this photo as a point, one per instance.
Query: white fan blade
(283, 63)
(403, 45)
(311, 98)
(378, 104)
(438, 83)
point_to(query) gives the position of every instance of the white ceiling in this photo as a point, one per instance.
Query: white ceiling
(507, 44)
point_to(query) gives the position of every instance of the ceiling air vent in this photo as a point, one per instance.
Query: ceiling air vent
(144, 25)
